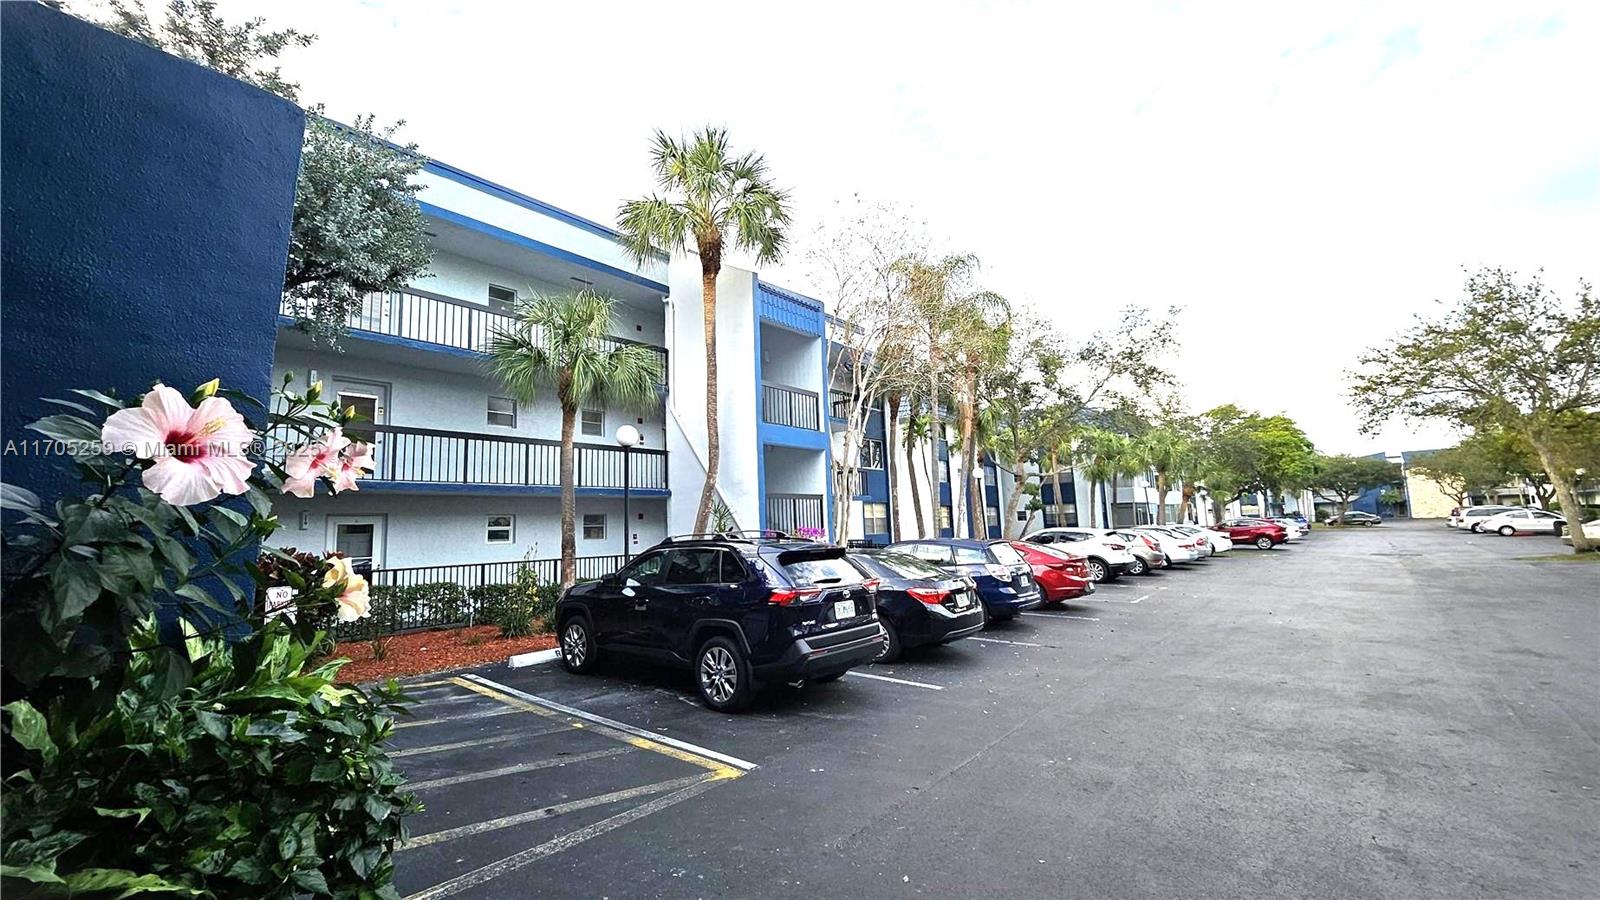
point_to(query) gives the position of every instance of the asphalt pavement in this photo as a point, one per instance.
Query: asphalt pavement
(1403, 711)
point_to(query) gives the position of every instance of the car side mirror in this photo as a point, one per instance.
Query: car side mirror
(629, 582)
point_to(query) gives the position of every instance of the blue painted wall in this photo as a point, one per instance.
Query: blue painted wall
(1047, 495)
(147, 204)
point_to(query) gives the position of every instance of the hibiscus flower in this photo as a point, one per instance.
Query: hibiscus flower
(198, 452)
(354, 462)
(353, 601)
(315, 460)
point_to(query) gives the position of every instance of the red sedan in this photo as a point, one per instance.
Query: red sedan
(1262, 534)
(1061, 575)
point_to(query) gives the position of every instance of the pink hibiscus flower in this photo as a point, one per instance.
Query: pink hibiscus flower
(315, 460)
(199, 452)
(355, 461)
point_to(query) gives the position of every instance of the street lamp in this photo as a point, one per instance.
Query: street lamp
(979, 516)
(628, 437)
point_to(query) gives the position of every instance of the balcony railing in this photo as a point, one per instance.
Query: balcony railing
(432, 456)
(839, 404)
(792, 512)
(429, 318)
(792, 406)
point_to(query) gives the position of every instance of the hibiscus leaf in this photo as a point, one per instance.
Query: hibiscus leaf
(67, 429)
(98, 397)
(70, 405)
(29, 728)
(18, 498)
(76, 584)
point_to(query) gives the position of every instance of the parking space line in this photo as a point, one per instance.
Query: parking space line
(723, 765)
(479, 742)
(531, 766)
(478, 714)
(1013, 643)
(1062, 616)
(564, 842)
(931, 687)
(557, 809)
(426, 684)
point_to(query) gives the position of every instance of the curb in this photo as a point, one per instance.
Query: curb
(523, 660)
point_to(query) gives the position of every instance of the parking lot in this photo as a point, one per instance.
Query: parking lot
(1401, 711)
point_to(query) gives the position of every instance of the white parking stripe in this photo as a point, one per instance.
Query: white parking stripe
(480, 714)
(1063, 616)
(734, 761)
(548, 848)
(1013, 643)
(534, 765)
(547, 812)
(931, 687)
(480, 742)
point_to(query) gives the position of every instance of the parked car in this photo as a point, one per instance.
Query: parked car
(1220, 543)
(1296, 528)
(1061, 575)
(1591, 530)
(1176, 547)
(1356, 517)
(1466, 517)
(1299, 519)
(1147, 555)
(1523, 521)
(1258, 533)
(1108, 558)
(1003, 578)
(738, 610)
(919, 604)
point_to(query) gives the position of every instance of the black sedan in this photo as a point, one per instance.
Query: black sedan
(918, 603)
(1356, 517)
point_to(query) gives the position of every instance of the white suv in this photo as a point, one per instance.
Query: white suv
(1523, 521)
(1106, 557)
(1473, 516)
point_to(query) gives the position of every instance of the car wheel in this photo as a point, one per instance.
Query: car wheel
(891, 644)
(1263, 543)
(1506, 531)
(1138, 567)
(578, 652)
(723, 675)
(1098, 570)
(1476, 528)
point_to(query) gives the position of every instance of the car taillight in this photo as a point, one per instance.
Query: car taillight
(1118, 546)
(930, 596)
(786, 596)
(1151, 544)
(871, 585)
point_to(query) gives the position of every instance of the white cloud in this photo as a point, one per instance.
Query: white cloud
(1301, 178)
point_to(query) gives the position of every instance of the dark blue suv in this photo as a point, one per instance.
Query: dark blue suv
(1004, 579)
(739, 609)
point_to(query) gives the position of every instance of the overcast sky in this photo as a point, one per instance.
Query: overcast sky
(1301, 178)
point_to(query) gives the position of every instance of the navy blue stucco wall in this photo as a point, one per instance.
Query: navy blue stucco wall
(146, 211)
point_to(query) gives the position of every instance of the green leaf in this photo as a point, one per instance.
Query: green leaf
(129, 883)
(17, 498)
(108, 400)
(76, 584)
(136, 813)
(213, 724)
(29, 728)
(327, 770)
(38, 873)
(377, 807)
(67, 429)
(311, 880)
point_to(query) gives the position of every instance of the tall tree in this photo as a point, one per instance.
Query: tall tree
(1467, 469)
(1241, 452)
(1343, 478)
(564, 342)
(933, 286)
(1105, 455)
(357, 228)
(980, 335)
(715, 199)
(1169, 452)
(918, 432)
(1509, 353)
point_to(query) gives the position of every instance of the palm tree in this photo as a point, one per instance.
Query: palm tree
(563, 341)
(1105, 454)
(918, 428)
(980, 335)
(714, 199)
(1170, 454)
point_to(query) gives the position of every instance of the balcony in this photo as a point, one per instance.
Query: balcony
(792, 512)
(440, 322)
(839, 403)
(791, 406)
(427, 456)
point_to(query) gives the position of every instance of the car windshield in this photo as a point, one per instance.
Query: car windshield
(903, 566)
(827, 570)
(1006, 554)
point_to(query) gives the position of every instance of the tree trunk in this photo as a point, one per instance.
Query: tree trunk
(1055, 479)
(969, 458)
(710, 266)
(569, 498)
(935, 432)
(892, 467)
(1161, 498)
(916, 487)
(1566, 493)
(1008, 524)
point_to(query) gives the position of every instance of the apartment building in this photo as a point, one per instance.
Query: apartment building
(467, 476)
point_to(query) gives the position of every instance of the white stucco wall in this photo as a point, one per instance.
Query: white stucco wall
(791, 359)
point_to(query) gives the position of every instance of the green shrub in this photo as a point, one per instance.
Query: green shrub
(257, 779)
(522, 608)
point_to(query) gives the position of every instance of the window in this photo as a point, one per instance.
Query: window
(944, 470)
(828, 570)
(944, 517)
(593, 423)
(1006, 554)
(971, 556)
(875, 518)
(872, 454)
(503, 412)
(502, 299)
(992, 516)
(1022, 515)
(935, 553)
(594, 526)
(644, 571)
(501, 529)
(989, 476)
(699, 565)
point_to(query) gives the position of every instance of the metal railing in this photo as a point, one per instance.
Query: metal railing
(792, 512)
(839, 404)
(433, 456)
(417, 597)
(429, 318)
(796, 407)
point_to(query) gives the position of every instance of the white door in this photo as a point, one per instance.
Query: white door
(358, 537)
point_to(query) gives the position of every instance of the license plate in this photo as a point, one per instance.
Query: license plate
(963, 600)
(844, 609)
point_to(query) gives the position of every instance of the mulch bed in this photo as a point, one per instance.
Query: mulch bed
(433, 651)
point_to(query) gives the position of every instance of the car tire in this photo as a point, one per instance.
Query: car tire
(1263, 543)
(1558, 529)
(891, 644)
(1138, 567)
(1506, 531)
(578, 655)
(1098, 570)
(1476, 528)
(722, 675)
